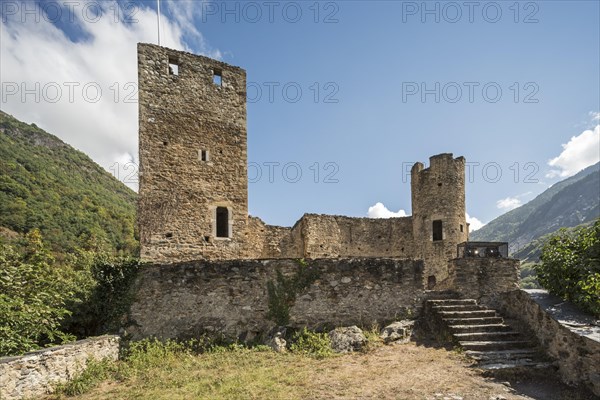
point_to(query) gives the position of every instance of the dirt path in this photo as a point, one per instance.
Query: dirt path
(409, 371)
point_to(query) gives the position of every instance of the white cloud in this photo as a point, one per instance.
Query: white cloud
(595, 116)
(381, 211)
(39, 57)
(474, 223)
(509, 203)
(580, 152)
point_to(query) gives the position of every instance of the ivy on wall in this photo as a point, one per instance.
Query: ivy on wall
(283, 291)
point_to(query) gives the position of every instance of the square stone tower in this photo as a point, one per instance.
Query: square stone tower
(193, 156)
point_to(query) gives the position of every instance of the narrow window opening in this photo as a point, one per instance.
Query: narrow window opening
(431, 281)
(461, 228)
(222, 222)
(203, 155)
(173, 66)
(217, 77)
(437, 230)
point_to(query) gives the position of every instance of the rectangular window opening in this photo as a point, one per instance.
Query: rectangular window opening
(217, 77)
(173, 66)
(437, 230)
(203, 155)
(461, 228)
(222, 222)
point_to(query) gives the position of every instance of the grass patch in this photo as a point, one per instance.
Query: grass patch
(174, 371)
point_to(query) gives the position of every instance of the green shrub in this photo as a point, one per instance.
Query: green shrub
(528, 276)
(310, 343)
(108, 298)
(152, 353)
(571, 267)
(530, 282)
(33, 297)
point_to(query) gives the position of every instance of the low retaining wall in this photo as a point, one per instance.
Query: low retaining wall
(232, 297)
(35, 374)
(568, 336)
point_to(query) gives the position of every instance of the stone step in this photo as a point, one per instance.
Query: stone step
(494, 345)
(474, 321)
(502, 355)
(514, 364)
(460, 307)
(467, 314)
(451, 302)
(479, 328)
(487, 336)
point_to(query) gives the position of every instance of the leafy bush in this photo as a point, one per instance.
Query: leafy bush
(571, 267)
(530, 282)
(108, 298)
(310, 343)
(33, 297)
(528, 276)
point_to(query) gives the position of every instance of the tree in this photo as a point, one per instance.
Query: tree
(570, 266)
(33, 294)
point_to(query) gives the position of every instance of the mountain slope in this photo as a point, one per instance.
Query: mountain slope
(568, 203)
(47, 184)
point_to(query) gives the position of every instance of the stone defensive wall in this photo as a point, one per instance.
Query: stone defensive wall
(244, 299)
(332, 236)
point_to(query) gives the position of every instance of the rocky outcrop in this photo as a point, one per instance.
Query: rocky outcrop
(347, 339)
(397, 331)
(276, 341)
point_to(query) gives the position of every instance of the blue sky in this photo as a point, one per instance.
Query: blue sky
(383, 84)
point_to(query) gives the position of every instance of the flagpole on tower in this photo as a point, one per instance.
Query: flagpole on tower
(158, 17)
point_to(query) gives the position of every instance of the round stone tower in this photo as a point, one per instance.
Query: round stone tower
(438, 213)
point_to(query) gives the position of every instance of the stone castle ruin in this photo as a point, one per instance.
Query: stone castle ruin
(194, 186)
(214, 270)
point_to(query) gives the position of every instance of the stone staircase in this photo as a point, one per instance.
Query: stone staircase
(484, 335)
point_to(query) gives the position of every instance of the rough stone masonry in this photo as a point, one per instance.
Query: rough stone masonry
(213, 264)
(194, 188)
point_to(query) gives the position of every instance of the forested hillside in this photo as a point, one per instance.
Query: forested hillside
(49, 185)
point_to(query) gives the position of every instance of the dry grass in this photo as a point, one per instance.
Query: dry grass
(405, 371)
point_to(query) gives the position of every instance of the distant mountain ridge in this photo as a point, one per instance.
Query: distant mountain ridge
(49, 185)
(568, 203)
